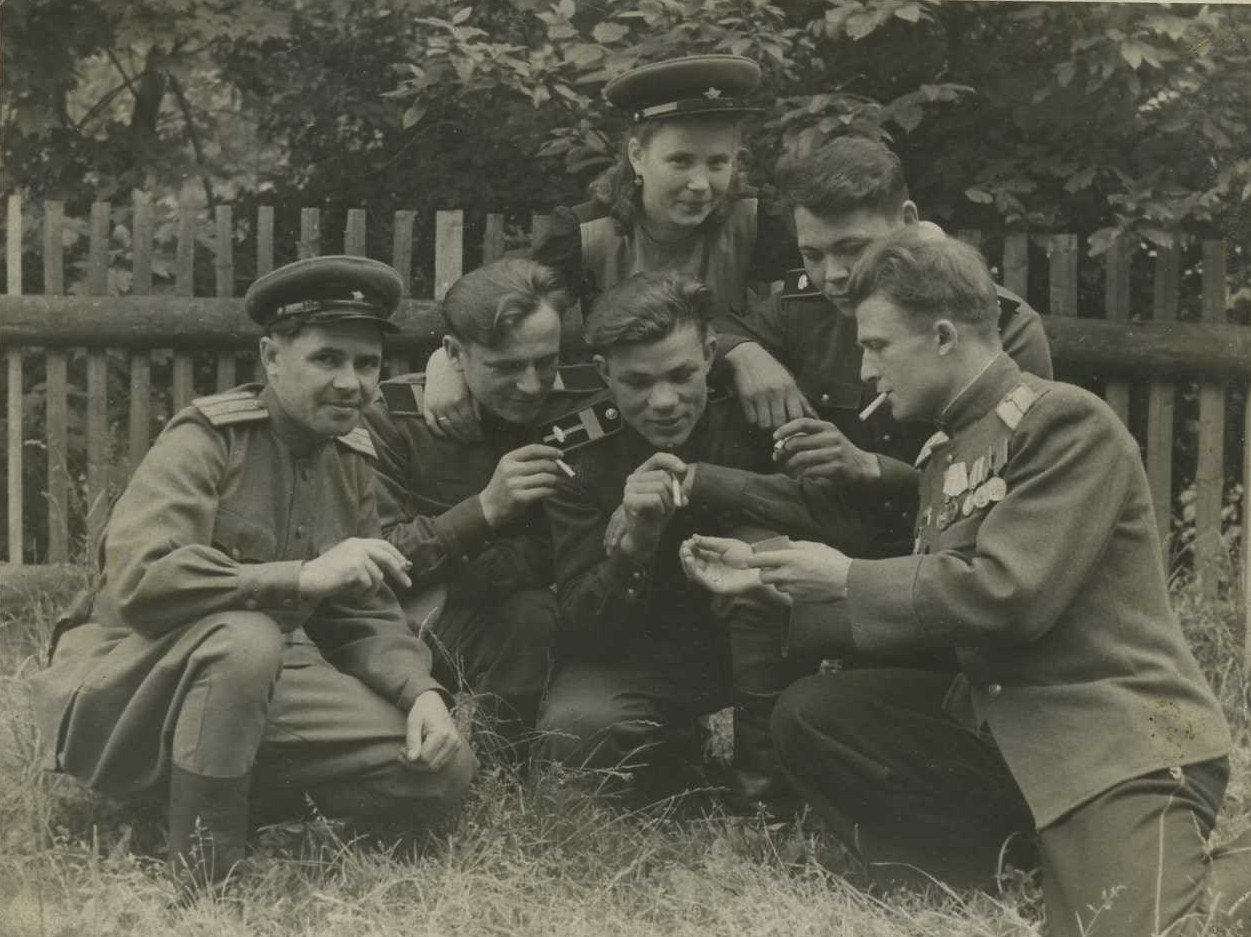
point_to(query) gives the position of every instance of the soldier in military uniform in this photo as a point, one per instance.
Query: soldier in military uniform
(246, 639)
(467, 514)
(643, 650)
(842, 197)
(1078, 709)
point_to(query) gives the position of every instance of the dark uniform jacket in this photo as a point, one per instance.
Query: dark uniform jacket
(804, 331)
(428, 489)
(218, 518)
(1037, 558)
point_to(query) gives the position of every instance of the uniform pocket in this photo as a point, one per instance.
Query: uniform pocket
(243, 540)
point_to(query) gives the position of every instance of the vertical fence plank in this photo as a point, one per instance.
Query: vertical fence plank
(140, 417)
(56, 416)
(1246, 522)
(1016, 262)
(1062, 251)
(354, 234)
(97, 381)
(449, 253)
(224, 266)
(184, 285)
(1209, 475)
(540, 227)
(1162, 401)
(264, 240)
(1116, 307)
(13, 362)
(493, 238)
(310, 233)
(402, 261)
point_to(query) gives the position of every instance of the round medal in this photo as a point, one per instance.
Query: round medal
(981, 497)
(997, 488)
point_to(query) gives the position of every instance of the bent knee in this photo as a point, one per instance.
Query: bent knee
(247, 646)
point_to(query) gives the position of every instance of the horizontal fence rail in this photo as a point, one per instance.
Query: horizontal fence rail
(68, 357)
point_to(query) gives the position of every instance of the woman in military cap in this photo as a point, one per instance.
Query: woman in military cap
(674, 199)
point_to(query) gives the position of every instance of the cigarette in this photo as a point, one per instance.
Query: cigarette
(872, 408)
(564, 467)
(677, 492)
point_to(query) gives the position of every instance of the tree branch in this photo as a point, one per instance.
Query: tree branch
(185, 107)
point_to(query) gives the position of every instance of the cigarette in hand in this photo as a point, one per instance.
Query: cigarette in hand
(564, 467)
(872, 408)
(677, 492)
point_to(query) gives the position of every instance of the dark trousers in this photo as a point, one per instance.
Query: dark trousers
(915, 794)
(501, 648)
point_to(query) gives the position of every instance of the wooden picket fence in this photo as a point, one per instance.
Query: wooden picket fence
(1164, 354)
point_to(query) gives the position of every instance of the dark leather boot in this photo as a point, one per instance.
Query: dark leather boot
(208, 828)
(759, 782)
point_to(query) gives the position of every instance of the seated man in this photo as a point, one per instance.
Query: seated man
(1078, 710)
(644, 651)
(245, 639)
(467, 514)
(795, 359)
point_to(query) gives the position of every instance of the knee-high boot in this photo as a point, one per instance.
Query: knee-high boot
(208, 825)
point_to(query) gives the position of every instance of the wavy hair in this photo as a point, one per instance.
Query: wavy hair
(485, 304)
(648, 307)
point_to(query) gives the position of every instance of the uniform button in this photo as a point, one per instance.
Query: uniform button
(465, 558)
(637, 574)
(299, 531)
(888, 504)
(630, 593)
(825, 398)
(994, 690)
(236, 552)
(251, 604)
(886, 437)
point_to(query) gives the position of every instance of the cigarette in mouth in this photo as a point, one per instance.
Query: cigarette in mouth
(677, 492)
(872, 408)
(564, 467)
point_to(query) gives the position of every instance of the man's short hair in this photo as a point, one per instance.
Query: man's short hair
(648, 307)
(844, 175)
(486, 304)
(928, 274)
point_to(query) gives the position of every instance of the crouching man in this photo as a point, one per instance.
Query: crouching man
(1078, 710)
(246, 639)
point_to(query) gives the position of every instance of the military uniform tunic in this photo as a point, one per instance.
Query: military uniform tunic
(213, 528)
(1036, 558)
(817, 343)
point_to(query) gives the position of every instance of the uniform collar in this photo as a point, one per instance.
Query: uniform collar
(981, 395)
(301, 440)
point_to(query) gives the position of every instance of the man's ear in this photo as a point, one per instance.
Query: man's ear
(455, 351)
(601, 366)
(946, 335)
(268, 351)
(634, 153)
(909, 212)
(710, 348)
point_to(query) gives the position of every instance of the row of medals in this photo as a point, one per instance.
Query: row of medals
(966, 489)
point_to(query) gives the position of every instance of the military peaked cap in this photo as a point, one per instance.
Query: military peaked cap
(694, 84)
(326, 289)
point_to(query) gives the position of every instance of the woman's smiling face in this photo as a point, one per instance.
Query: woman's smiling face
(686, 167)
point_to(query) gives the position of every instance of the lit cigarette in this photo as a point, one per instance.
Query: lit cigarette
(872, 408)
(677, 492)
(564, 467)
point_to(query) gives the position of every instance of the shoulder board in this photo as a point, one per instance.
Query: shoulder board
(928, 448)
(582, 427)
(1015, 405)
(798, 283)
(360, 441)
(403, 395)
(240, 405)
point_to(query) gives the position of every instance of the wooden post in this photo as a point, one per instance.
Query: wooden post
(354, 236)
(493, 238)
(184, 285)
(1016, 262)
(1162, 402)
(449, 255)
(310, 233)
(1210, 474)
(56, 418)
(264, 240)
(402, 261)
(1062, 250)
(1116, 308)
(13, 361)
(1246, 523)
(140, 417)
(97, 382)
(224, 266)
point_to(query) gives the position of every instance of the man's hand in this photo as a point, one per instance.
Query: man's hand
(521, 478)
(808, 448)
(806, 571)
(648, 503)
(355, 565)
(766, 390)
(446, 404)
(719, 564)
(431, 738)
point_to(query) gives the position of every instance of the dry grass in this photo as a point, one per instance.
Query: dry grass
(537, 857)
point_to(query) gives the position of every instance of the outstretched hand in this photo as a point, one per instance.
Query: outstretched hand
(719, 564)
